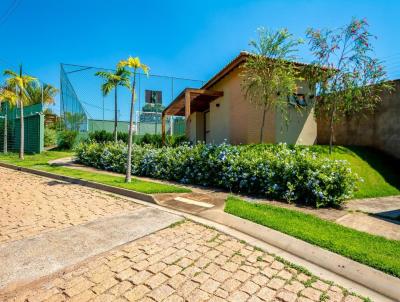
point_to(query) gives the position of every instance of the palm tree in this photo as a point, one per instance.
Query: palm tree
(19, 82)
(135, 65)
(41, 94)
(112, 80)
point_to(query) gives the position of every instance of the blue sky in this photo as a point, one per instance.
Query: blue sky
(191, 39)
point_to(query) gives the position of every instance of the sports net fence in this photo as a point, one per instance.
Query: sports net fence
(84, 107)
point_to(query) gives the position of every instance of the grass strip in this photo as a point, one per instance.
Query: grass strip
(40, 162)
(375, 251)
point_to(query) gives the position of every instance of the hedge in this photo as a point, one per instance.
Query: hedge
(102, 136)
(278, 171)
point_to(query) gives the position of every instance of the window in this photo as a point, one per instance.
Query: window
(298, 100)
(153, 97)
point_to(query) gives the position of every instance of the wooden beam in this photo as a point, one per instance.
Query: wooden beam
(207, 92)
(163, 116)
(187, 112)
(179, 102)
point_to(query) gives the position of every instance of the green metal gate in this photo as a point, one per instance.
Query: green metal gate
(11, 130)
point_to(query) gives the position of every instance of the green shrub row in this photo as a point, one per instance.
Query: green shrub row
(67, 139)
(277, 171)
(155, 140)
(102, 136)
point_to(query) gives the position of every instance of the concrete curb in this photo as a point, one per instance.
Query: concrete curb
(91, 184)
(369, 277)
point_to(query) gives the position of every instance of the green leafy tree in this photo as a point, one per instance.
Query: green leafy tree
(19, 83)
(348, 79)
(269, 75)
(112, 80)
(74, 121)
(135, 65)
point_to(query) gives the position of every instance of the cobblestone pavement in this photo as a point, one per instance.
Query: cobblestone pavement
(31, 204)
(186, 262)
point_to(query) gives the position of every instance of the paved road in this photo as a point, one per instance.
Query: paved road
(31, 205)
(183, 262)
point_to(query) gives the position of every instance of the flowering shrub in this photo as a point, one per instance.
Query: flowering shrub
(276, 171)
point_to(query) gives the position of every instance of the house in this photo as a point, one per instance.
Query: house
(219, 112)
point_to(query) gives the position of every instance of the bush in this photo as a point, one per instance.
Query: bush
(155, 140)
(276, 171)
(176, 140)
(123, 136)
(66, 139)
(150, 139)
(102, 136)
(50, 137)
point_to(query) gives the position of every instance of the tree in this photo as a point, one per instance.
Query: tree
(112, 80)
(269, 74)
(135, 65)
(74, 120)
(38, 94)
(348, 79)
(19, 83)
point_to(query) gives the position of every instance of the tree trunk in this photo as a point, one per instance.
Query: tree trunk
(128, 176)
(263, 124)
(22, 138)
(115, 115)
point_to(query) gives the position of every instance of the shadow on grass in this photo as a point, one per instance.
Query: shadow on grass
(392, 216)
(387, 165)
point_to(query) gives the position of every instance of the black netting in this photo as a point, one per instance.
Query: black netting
(84, 107)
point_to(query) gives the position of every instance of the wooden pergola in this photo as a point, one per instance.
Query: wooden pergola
(188, 101)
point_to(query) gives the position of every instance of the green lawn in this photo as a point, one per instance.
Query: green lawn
(40, 162)
(375, 251)
(380, 172)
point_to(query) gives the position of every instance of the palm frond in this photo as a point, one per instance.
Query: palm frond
(105, 74)
(17, 81)
(26, 79)
(9, 96)
(10, 73)
(107, 87)
(34, 93)
(112, 80)
(145, 69)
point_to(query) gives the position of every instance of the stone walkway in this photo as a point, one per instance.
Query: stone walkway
(188, 262)
(184, 262)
